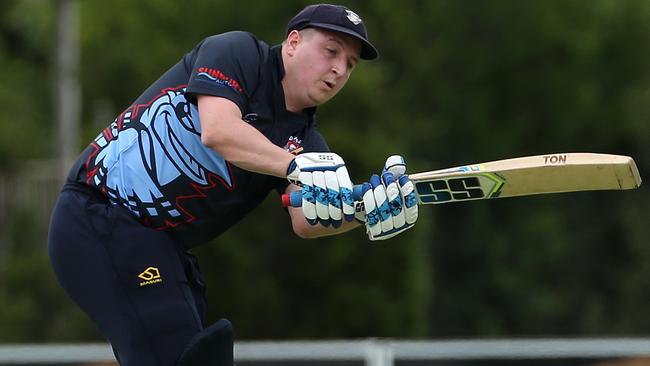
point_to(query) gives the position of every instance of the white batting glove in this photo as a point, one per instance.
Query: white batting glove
(326, 187)
(389, 202)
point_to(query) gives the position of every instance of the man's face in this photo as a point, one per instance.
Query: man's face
(322, 62)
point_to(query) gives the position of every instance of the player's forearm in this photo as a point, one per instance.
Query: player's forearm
(306, 231)
(245, 147)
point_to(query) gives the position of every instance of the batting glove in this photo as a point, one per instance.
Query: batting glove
(389, 202)
(326, 187)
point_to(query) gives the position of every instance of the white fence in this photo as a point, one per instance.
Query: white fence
(371, 352)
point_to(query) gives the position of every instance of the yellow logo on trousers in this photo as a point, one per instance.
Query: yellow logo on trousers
(150, 276)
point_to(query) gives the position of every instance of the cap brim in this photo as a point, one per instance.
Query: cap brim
(368, 51)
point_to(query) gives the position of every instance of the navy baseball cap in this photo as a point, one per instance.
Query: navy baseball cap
(337, 18)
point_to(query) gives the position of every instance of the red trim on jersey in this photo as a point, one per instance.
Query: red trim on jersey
(135, 108)
(108, 134)
(90, 173)
(120, 120)
(214, 179)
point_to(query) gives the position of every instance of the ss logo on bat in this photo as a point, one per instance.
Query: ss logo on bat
(454, 189)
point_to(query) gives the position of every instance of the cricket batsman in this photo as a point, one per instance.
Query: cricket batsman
(199, 149)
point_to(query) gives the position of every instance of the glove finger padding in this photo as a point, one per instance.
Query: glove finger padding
(395, 199)
(381, 199)
(333, 199)
(322, 197)
(410, 201)
(308, 198)
(395, 164)
(379, 218)
(345, 185)
(372, 213)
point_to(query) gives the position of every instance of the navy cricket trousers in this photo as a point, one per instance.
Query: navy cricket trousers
(140, 288)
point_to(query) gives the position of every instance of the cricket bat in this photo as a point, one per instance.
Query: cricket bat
(531, 175)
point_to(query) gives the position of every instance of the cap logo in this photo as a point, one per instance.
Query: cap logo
(353, 17)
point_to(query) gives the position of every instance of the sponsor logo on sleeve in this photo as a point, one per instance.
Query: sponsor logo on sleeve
(219, 78)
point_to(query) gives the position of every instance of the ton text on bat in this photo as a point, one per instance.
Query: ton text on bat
(555, 159)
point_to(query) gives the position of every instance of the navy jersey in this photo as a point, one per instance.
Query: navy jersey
(151, 159)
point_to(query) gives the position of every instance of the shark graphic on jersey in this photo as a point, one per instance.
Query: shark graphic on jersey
(163, 140)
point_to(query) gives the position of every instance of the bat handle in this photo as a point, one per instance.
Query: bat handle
(295, 198)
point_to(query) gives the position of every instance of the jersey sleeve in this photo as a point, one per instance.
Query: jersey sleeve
(227, 65)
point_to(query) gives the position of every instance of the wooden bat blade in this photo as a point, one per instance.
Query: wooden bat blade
(553, 173)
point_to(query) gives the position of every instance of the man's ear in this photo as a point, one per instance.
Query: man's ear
(293, 39)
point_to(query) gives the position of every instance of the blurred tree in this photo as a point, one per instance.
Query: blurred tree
(26, 93)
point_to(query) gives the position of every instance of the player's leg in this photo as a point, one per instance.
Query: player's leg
(213, 346)
(196, 283)
(129, 279)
